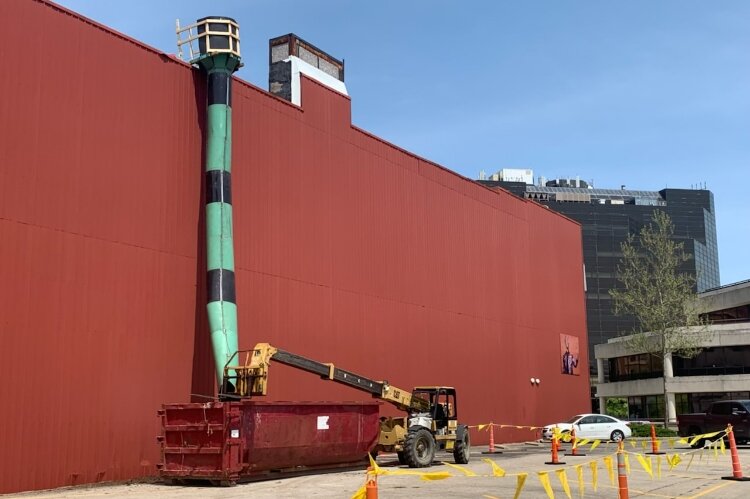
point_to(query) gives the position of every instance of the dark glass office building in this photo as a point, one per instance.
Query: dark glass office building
(607, 216)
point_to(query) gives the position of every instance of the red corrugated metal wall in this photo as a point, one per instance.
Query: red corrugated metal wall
(348, 250)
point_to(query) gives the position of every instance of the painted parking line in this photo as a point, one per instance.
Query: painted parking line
(712, 489)
(633, 491)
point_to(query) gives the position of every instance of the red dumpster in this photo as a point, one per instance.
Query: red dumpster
(229, 441)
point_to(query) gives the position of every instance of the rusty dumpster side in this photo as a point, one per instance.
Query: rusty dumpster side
(226, 442)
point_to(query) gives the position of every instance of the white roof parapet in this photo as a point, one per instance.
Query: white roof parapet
(300, 67)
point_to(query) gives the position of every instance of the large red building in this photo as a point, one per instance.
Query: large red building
(348, 249)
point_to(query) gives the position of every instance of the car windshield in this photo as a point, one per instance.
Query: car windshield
(573, 419)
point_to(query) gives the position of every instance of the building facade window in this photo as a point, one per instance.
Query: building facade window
(646, 407)
(715, 361)
(631, 367)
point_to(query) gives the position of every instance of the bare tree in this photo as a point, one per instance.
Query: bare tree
(659, 296)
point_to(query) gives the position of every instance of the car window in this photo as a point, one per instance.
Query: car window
(605, 419)
(574, 419)
(737, 407)
(588, 420)
(721, 409)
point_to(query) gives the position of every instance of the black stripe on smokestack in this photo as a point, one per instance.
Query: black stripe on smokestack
(221, 286)
(219, 88)
(218, 187)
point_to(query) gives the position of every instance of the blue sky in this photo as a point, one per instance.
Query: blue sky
(649, 94)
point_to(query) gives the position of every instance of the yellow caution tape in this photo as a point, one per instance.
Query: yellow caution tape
(496, 470)
(544, 479)
(377, 470)
(465, 471)
(482, 426)
(361, 493)
(520, 481)
(705, 436)
(583, 441)
(437, 475)
(646, 464)
(610, 468)
(581, 485)
(434, 475)
(592, 464)
(563, 477)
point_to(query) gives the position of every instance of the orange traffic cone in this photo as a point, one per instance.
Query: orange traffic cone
(574, 442)
(622, 476)
(736, 467)
(555, 447)
(654, 443)
(491, 449)
(371, 487)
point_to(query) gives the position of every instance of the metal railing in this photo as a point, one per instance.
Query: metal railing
(209, 36)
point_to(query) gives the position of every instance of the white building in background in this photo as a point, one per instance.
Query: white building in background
(720, 371)
(513, 175)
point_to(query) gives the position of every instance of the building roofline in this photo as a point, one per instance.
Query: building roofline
(112, 31)
(725, 287)
(173, 58)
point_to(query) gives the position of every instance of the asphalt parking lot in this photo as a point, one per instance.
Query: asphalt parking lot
(702, 478)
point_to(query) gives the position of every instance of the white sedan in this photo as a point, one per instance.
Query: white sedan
(592, 426)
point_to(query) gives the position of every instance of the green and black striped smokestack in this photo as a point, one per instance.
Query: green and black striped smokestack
(219, 57)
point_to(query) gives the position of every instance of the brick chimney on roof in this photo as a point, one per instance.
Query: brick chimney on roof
(289, 56)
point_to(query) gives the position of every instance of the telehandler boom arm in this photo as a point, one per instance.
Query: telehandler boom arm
(251, 377)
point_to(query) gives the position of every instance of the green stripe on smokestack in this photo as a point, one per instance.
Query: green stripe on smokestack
(218, 40)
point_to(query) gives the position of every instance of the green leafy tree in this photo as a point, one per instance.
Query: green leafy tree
(617, 407)
(658, 295)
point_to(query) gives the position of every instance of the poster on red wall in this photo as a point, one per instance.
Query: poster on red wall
(569, 354)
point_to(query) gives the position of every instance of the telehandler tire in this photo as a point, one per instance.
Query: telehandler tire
(419, 448)
(462, 447)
